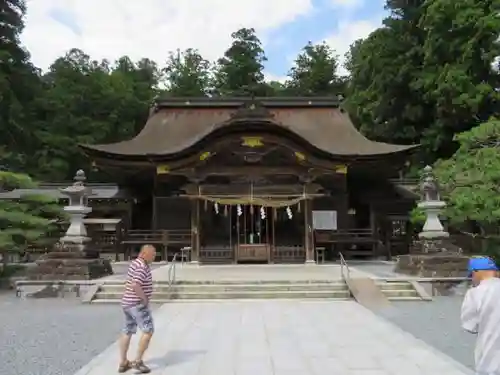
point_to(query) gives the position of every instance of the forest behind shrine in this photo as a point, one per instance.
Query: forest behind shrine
(428, 75)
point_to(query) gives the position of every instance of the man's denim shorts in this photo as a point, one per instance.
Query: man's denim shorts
(138, 316)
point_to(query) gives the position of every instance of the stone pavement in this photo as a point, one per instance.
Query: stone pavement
(267, 272)
(280, 338)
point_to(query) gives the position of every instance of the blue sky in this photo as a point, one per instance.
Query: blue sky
(152, 28)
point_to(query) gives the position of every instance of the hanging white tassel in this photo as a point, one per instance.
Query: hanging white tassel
(216, 207)
(262, 213)
(289, 213)
(239, 211)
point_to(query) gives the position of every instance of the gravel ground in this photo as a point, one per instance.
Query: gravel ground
(437, 323)
(53, 337)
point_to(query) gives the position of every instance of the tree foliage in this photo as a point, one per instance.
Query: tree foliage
(18, 85)
(240, 72)
(315, 72)
(427, 74)
(471, 177)
(28, 222)
(384, 67)
(188, 74)
(88, 101)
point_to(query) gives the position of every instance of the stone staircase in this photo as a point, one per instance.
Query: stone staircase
(184, 291)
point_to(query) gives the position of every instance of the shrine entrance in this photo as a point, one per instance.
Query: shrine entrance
(249, 233)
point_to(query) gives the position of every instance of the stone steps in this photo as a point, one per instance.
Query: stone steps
(111, 292)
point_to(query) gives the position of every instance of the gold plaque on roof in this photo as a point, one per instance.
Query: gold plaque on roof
(252, 141)
(300, 156)
(205, 155)
(341, 169)
(162, 169)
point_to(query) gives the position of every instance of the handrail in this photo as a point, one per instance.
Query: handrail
(171, 272)
(344, 268)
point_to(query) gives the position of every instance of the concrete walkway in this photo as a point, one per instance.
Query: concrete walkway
(280, 338)
(268, 272)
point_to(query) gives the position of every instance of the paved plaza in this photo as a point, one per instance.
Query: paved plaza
(280, 337)
(267, 272)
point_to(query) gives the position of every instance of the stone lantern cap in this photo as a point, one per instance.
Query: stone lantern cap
(78, 192)
(429, 187)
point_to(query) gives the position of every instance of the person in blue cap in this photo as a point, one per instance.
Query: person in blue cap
(481, 314)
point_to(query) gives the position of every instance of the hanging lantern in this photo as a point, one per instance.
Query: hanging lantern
(239, 210)
(289, 213)
(205, 205)
(298, 207)
(262, 213)
(225, 210)
(216, 207)
(251, 210)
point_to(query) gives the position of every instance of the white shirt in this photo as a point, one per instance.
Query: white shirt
(481, 315)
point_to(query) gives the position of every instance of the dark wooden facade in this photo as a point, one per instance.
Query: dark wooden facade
(240, 180)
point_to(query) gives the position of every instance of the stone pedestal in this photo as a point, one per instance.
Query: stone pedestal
(67, 264)
(436, 265)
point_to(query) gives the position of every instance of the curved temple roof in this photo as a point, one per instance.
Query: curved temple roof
(175, 127)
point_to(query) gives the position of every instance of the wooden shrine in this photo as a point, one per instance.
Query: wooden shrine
(257, 180)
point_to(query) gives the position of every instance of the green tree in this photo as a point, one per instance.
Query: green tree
(188, 74)
(427, 74)
(471, 177)
(19, 85)
(277, 88)
(315, 72)
(88, 101)
(240, 71)
(28, 222)
(381, 95)
(459, 48)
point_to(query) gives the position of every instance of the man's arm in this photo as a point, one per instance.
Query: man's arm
(137, 279)
(470, 313)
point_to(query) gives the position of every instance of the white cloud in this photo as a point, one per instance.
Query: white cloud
(347, 3)
(149, 28)
(348, 32)
(278, 78)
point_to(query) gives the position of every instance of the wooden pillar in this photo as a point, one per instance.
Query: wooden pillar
(308, 232)
(195, 230)
(154, 219)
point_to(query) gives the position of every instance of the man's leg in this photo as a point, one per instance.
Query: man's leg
(143, 345)
(129, 329)
(124, 345)
(145, 322)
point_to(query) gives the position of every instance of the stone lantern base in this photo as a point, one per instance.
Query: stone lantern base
(433, 259)
(69, 264)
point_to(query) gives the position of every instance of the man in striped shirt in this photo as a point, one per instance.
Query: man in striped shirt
(135, 304)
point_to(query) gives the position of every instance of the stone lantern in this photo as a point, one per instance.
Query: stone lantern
(68, 259)
(432, 205)
(433, 255)
(77, 209)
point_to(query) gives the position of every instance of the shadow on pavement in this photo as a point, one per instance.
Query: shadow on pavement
(174, 357)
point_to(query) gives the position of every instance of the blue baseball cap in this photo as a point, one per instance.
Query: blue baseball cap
(481, 264)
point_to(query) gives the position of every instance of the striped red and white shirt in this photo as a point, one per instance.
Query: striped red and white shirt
(139, 272)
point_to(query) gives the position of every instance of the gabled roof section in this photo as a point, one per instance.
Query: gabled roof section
(175, 125)
(99, 191)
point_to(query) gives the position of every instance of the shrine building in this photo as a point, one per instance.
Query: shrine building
(275, 180)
